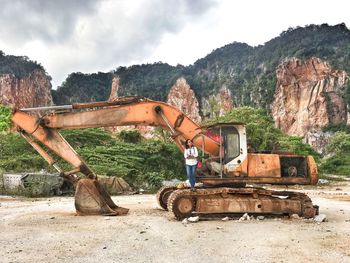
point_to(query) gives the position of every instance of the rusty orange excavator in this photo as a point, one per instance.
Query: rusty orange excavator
(227, 164)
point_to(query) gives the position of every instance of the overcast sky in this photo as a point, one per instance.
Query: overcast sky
(89, 36)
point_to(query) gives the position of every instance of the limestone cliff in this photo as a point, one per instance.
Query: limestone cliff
(217, 104)
(318, 140)
(145, 131)
(182, 97)
(309, 95)
(31, 91)
(114, 88)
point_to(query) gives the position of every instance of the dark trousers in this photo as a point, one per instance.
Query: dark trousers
(191, 174)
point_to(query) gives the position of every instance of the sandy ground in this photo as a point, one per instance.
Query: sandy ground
(47, 230)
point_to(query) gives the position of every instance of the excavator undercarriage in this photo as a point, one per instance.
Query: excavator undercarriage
(223, 201)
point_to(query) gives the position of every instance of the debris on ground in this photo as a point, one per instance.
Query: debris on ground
(193, 219)
(260, 217)
(323, 181)
(225, 218)
(219, 227)
(185, 222)
(320, 218)
(294, 216)
(244, 217)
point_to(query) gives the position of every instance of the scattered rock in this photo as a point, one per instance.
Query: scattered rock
(320, 218)
(142, 232)
(104, 247)
(225, 218)
(323, 181)
(107, 218)
(193, 219)
(52, 217)
(295, 216)
(260, 217)
(185, 222)
(219, 227)
(244, 217)
(338, 189)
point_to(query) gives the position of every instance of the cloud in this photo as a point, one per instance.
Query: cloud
(48, 21)
(89, 36)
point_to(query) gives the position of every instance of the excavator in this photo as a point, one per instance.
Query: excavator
(228, 176)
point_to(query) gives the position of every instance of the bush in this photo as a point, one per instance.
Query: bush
(339, 149)
(142, 163)
(338, 164)
(131, 136)
(5, 118)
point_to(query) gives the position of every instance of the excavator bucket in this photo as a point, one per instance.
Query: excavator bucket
(92, 199)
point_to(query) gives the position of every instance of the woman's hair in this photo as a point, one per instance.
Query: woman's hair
(186, 143)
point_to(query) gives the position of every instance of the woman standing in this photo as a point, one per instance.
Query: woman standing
(191, 154)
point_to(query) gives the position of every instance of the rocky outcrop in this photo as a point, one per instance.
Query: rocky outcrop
(219, 104)
(145, 131)
(318, 140)
(309, 95)
(182, 97)
(114, 88)
(31, 91)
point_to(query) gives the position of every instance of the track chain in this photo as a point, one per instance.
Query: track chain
(307, 208)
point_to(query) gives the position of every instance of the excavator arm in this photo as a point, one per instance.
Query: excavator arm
(126, 111)
(90, 197)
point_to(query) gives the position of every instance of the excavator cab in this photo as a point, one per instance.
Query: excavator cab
(232, 144)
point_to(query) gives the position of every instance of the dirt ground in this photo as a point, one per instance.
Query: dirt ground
(47, 230)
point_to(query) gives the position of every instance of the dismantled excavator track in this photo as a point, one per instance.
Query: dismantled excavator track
(225, 201)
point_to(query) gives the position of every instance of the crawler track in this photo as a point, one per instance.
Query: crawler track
(163, 196)
(225, 201)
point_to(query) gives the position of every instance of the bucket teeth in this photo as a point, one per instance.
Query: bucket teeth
(92, 199)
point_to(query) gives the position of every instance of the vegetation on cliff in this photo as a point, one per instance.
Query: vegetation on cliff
(19, 66)
(79, 87)
(249, 72)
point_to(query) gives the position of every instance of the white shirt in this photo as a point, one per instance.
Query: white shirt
(191, 151)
